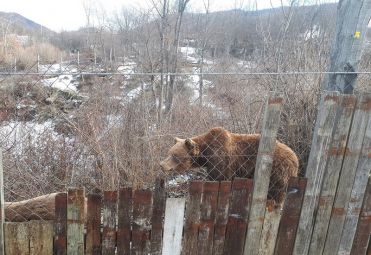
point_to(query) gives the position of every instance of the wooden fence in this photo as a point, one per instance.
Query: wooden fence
(328, 212)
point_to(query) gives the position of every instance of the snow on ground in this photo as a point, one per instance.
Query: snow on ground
(190, 54)
(65, 83)
(128, 67)
(17, 135)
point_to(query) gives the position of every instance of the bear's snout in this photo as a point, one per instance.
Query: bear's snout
(165, 166)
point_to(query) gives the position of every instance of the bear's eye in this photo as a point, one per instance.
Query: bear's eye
(176, 159)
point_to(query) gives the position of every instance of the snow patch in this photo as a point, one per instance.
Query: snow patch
(65, 83)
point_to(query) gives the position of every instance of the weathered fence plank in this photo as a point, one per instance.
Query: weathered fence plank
(60, 224)
(109, 222)
(16, 238)
(93, 221)
(315, 169)
(124, 221)
(75, 221)
(207, 218)
(173, 226)
(221, 217)
(2, 215)
(290, 216)
(262, 173)
(41, 237)
(270, 229)
(332, 172)
(238, 214)
(142, 209)
(192, 218)
(347, 175)
(362, 236)
(358, 191)
(159, 200)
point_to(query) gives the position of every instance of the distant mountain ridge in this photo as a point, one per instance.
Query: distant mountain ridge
(23, 24)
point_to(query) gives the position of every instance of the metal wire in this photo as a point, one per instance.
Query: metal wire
(185, 74)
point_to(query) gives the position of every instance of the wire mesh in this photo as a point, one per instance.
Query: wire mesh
(107, 126)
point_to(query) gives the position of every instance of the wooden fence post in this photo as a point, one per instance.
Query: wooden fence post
(239, 207)
(262, 173)
(290, 216)
(60, 224)
(332, 172)
(142, 210)
(270, 229)
(347, 176)
(109, 222)
(159, 200)
(358, 190)
(75, 221)
(93, 224)
(2, 214)
(221, 217)
(362, 235)
(173, 226)
(316, 166)
(125, 212)
(192, 218)
(207, 218)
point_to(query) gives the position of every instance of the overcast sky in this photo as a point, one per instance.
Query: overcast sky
(69, 14)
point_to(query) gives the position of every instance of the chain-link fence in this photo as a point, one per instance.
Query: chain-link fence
(79, 123)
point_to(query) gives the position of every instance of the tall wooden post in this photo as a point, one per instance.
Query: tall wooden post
(262, 174)
(352, 19)
(2, 214)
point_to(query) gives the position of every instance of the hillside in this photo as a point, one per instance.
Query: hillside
(22, 25)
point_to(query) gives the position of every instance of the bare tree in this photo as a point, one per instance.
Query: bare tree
(182, 4)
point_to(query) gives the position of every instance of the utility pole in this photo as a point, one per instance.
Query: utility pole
(353, 17)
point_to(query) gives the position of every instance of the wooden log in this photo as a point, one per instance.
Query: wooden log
(60, 224)
(16, 238)
(221, 217)
(347, 176)
(159, 200)
(2, 206)
(207, 218)
(142, 211)
(238, 214)
(363, 231)
(290, 216)
(75, 221)
(93, 224)
(315, 169)
(192, 218)
(332, 172)
(358, 191)
(41, 237)
(262, 173)
(270, 229)
(173, 226)
(109, 222)
(38, 208)
(124, 221)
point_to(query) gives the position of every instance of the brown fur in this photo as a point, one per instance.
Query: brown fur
(226, 155)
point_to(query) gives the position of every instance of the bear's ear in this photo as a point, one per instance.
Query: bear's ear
(192, 147)
(177, 140)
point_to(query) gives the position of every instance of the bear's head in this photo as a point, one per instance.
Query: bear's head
(181, 157)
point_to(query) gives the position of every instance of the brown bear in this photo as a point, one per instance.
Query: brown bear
(225, 155)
